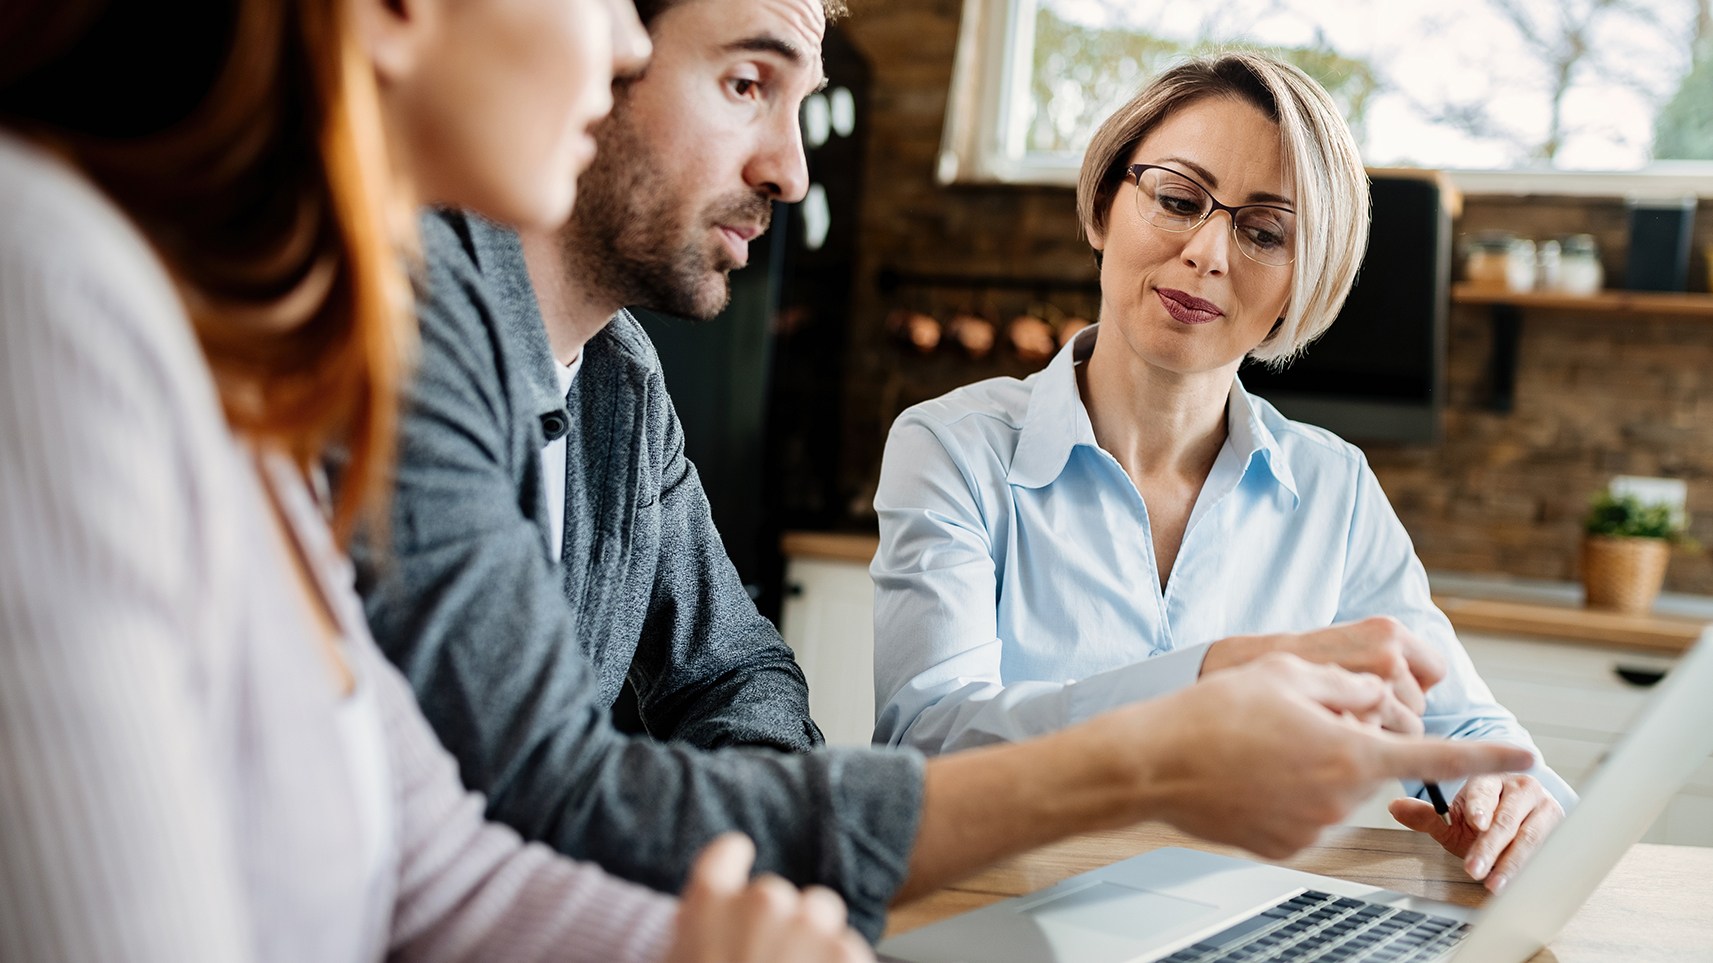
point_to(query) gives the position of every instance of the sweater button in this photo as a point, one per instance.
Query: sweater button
(554, 425)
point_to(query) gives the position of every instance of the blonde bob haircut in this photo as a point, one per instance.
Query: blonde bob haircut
(1322, 167)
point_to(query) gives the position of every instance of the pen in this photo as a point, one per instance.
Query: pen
(1438, 801)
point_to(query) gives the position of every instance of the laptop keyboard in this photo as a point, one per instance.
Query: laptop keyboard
(1316, 926)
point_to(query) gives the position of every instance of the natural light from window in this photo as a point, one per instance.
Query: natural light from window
(1573, 85)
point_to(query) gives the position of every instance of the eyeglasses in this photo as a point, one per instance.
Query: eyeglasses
(1173, 202)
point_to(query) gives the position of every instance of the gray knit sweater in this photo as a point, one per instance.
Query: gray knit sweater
(517, 651)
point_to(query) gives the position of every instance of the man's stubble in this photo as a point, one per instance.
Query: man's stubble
(633, 237)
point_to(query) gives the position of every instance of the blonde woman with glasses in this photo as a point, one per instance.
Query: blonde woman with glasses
(1130, 519)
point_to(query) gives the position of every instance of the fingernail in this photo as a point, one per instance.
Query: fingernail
(1478, 868)
(1497, 883)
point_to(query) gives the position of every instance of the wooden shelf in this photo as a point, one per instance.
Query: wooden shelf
(1571, 624)
(1605, 302)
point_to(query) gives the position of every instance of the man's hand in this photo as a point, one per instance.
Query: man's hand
(1379, 645)
(1260, 756)
(727, 918)
(1497, 823)
(1267, 754)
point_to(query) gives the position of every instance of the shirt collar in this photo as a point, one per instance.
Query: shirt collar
(567, 373)
(499, 256)
(1249, 437)
(1056, 423)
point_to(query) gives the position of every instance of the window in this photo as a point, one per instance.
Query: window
(1512, 95)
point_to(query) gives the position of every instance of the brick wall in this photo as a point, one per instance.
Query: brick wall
(1595, 397)
(1504, 493)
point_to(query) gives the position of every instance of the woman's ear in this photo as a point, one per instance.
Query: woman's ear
(396, 34)
(1096, 235)
(1097, 240)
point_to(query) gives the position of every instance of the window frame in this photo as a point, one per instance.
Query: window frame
(976, 147)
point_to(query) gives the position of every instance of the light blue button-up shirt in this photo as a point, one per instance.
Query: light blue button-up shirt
(1016, 590)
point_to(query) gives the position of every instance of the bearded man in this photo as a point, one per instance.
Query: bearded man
(549, 540)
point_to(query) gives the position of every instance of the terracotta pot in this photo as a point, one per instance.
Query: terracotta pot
(1031, 337)
(1070, 327)
(973, 333)
(914, 329)
(1623, 573)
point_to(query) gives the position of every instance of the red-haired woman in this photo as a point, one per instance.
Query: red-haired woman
(205, 214)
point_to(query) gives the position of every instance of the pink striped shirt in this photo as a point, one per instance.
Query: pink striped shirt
(174, 785)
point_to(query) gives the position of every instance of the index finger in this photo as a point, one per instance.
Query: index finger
(1398, 716)
(823, 909)
(723, 866)
(1426, 662)
(1407, 688)
(1337, 689)
(1475, 803)
(1438, 760)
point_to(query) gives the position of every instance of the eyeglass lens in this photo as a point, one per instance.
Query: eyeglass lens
(1172, 202)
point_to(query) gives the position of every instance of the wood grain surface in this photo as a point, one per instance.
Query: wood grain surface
(832, 546)
(1603, 302)
(1656, 905)
(1564, 623)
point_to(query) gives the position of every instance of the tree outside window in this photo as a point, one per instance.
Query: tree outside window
(1470, 84)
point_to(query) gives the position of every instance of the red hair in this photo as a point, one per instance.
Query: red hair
(244, 138)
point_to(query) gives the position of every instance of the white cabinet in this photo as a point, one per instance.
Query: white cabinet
(828, 620)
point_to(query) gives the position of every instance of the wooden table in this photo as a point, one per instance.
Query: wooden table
(1656, 905)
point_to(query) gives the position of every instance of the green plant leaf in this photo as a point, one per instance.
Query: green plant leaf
(1628, 517)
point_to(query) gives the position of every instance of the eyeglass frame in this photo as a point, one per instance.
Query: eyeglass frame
(1134, 172)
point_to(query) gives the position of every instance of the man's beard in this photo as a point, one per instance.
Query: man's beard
(631, 239)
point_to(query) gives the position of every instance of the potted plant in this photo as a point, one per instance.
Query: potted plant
(1625, 550)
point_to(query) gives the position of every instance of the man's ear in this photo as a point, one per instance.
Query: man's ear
(396, 34)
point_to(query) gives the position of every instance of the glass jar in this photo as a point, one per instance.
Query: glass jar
(1520, 265)
(1484, 259)
(1579, 269)
(1548, 263)
(1500, 261)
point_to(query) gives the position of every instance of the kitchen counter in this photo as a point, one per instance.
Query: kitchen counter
(1553, 610)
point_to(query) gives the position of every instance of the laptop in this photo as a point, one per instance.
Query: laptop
(1182, 906)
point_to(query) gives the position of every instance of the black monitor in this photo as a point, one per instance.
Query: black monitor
(1378, 373)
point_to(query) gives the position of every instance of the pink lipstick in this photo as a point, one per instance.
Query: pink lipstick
(1186, 308)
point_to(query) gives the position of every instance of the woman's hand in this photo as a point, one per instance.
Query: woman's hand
(725, 917)
(1497, 823)
(1266, 755)
(1379, 645)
